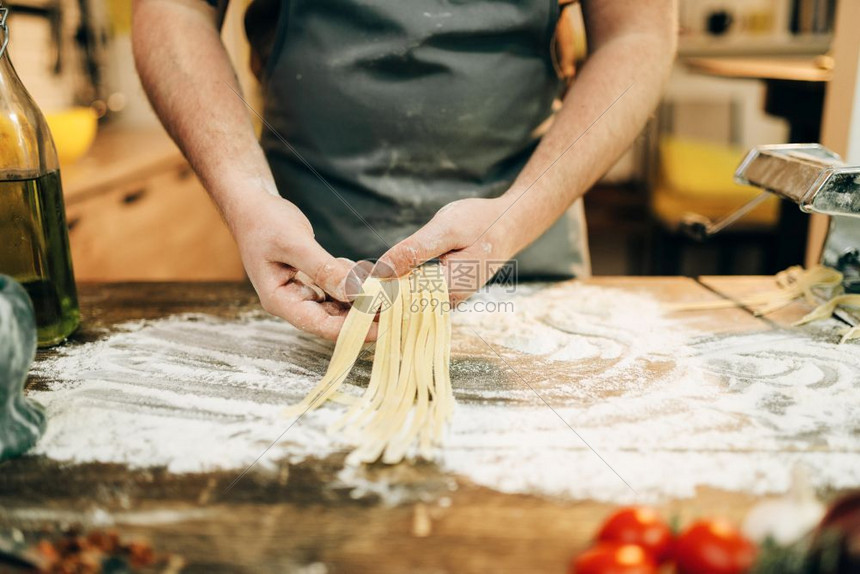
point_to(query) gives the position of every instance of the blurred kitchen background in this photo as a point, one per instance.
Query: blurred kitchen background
(748, 72)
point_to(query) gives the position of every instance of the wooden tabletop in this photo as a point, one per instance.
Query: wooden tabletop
(285, 520)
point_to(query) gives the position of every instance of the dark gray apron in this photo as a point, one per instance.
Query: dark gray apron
(402, 107)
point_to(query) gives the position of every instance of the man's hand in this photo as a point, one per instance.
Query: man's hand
(294, 276)
(466, 236)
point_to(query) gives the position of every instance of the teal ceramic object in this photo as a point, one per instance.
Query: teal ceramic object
(22, 420)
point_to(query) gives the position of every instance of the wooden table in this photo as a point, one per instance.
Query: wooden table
(271, 523)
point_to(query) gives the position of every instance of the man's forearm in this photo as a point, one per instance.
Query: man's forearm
(605, 109)
(189, 79)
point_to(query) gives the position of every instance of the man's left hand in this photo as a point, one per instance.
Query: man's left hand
(471, 238)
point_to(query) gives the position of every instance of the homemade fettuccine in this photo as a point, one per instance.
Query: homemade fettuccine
(408, 399)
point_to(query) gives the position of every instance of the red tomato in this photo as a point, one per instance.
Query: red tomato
(613, 558)
(713, 547)
(642, 526)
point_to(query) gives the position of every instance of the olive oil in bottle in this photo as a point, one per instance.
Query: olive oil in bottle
(34, 239)
(34, 249)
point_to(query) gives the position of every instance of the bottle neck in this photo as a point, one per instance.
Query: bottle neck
(9, 79)
(26, 146)
(4, 29)
(10, 83)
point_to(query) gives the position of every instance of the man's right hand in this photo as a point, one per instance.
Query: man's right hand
(295, 278)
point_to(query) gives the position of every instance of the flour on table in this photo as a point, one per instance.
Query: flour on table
(667, 408)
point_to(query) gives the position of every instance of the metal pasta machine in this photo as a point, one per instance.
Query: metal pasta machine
(816, 180)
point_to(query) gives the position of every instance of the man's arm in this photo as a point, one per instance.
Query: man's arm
(632, 46)
(187, 75)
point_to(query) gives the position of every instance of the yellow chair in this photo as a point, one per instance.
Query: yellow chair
(697, 177)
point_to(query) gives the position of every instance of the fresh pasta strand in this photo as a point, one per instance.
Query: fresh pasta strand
(408, 400)
(794, 282)
(390, 319)
(346, 350)
(825, 311)
(851, 334)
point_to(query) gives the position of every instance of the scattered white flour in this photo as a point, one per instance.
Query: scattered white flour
(667, 408)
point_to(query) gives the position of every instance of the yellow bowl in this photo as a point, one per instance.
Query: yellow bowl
(73, 130)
